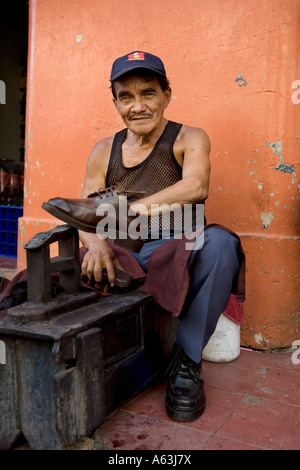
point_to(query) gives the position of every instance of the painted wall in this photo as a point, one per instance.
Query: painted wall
(232, 67)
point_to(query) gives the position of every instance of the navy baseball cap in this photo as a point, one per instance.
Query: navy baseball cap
(136, 60)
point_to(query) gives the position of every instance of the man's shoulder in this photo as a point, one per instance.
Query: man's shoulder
(193, 131)
(189, 134)
(104, 144)
(100, 153)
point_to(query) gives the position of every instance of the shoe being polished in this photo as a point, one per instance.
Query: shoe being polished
(82, 213)
(185, 398)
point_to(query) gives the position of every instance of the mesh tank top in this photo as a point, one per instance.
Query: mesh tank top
(158, 171)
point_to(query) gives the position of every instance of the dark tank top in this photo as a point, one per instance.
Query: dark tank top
(158, 171)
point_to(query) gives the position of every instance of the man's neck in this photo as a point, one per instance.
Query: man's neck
(145, 141)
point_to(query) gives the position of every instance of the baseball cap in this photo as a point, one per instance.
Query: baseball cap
(136, 60)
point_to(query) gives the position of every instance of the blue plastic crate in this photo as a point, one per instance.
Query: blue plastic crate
(9, 216)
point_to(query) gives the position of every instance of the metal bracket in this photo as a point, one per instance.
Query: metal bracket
(40, 266)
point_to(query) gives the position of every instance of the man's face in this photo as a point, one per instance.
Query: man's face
(141, 103)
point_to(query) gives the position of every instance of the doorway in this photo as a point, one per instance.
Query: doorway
(13, 73)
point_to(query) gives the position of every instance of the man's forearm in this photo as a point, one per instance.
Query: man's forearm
(182, 192)
(89, 239)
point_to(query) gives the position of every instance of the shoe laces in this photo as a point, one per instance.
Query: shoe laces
(189, 369)
(184, 366)
(117, 188)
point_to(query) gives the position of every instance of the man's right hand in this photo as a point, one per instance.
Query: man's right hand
(99, 256)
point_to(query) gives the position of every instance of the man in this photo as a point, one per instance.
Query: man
(170, 163)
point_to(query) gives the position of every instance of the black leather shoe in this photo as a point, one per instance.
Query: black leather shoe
(185, 399)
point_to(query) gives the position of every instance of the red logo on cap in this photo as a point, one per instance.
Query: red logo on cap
(137, 56)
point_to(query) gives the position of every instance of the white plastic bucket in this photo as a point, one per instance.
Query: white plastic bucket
(224, 344)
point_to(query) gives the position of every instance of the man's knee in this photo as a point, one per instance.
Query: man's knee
(220, 239)
(219, 247)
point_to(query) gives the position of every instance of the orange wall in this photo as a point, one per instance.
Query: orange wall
(231, 65)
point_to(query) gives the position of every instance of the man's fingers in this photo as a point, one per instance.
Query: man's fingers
(87, 268)
(111, 274)
(93, 266)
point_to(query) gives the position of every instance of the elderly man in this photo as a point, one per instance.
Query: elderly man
(159, 162)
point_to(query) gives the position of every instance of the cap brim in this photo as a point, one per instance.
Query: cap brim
(134, 67)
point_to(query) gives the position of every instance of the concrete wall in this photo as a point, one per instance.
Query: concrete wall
(232, 67)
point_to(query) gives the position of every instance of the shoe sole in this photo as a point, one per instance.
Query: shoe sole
(69, 220)
(184, 414)
(126, 243)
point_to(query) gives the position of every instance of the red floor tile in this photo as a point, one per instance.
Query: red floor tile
(280, 359)
(129, 431)
(280, 385)
(224, 443)
(150, 403)
(265, 423)
(233, 376)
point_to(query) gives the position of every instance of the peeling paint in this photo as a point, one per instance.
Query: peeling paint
(285, 168)
(267, 218)
(241, 80)
(281, 166)
(79, 37)
(259, 339)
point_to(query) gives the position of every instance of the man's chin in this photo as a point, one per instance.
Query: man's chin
(142, 126)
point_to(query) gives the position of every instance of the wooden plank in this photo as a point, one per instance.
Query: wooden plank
(37, 400)
(9, 409)
(91, 390)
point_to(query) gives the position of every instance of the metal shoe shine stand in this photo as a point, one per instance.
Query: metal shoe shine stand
(70, 360)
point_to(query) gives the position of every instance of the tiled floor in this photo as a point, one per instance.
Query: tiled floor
(252, 403)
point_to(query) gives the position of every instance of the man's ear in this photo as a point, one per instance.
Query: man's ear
(168, 94)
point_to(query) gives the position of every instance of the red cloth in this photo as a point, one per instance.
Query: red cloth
(167, 277)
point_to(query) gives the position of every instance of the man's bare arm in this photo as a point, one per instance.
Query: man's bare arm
(99, 255)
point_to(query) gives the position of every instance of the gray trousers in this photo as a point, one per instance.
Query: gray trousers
(212, 271)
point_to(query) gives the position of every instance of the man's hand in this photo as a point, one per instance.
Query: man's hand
(98, 257)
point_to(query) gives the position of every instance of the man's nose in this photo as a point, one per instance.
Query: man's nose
(138, 106)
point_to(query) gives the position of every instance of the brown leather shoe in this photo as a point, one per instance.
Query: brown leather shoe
(82, 213)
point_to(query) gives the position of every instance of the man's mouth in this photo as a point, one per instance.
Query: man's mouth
(140, 118)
